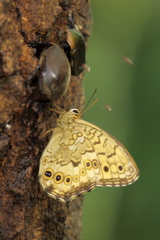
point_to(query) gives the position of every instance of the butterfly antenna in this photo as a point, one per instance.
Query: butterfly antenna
(85, 109)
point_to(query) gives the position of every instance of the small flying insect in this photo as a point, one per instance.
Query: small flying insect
(127, 60)
(107, 107)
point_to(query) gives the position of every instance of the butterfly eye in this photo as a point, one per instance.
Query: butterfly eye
(76, 111)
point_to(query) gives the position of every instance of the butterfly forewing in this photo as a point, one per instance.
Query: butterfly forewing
(81, 156)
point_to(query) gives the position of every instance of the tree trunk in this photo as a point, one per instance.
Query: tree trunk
(26, 212)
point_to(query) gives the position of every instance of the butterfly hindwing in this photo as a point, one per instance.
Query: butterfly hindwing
(117, 167)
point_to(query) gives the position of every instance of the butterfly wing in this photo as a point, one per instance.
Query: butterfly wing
(62, 172)
(82, 157)
(116, 165)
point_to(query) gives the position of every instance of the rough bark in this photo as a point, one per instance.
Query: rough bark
(26, 212)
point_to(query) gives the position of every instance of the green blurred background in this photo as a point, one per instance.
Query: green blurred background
(130, 29)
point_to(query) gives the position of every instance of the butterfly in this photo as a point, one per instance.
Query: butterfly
(81, 156)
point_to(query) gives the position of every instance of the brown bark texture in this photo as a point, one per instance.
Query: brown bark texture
(26, 212)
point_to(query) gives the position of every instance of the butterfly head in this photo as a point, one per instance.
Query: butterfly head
(69, 117)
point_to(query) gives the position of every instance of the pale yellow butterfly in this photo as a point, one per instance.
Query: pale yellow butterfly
(81, 156)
